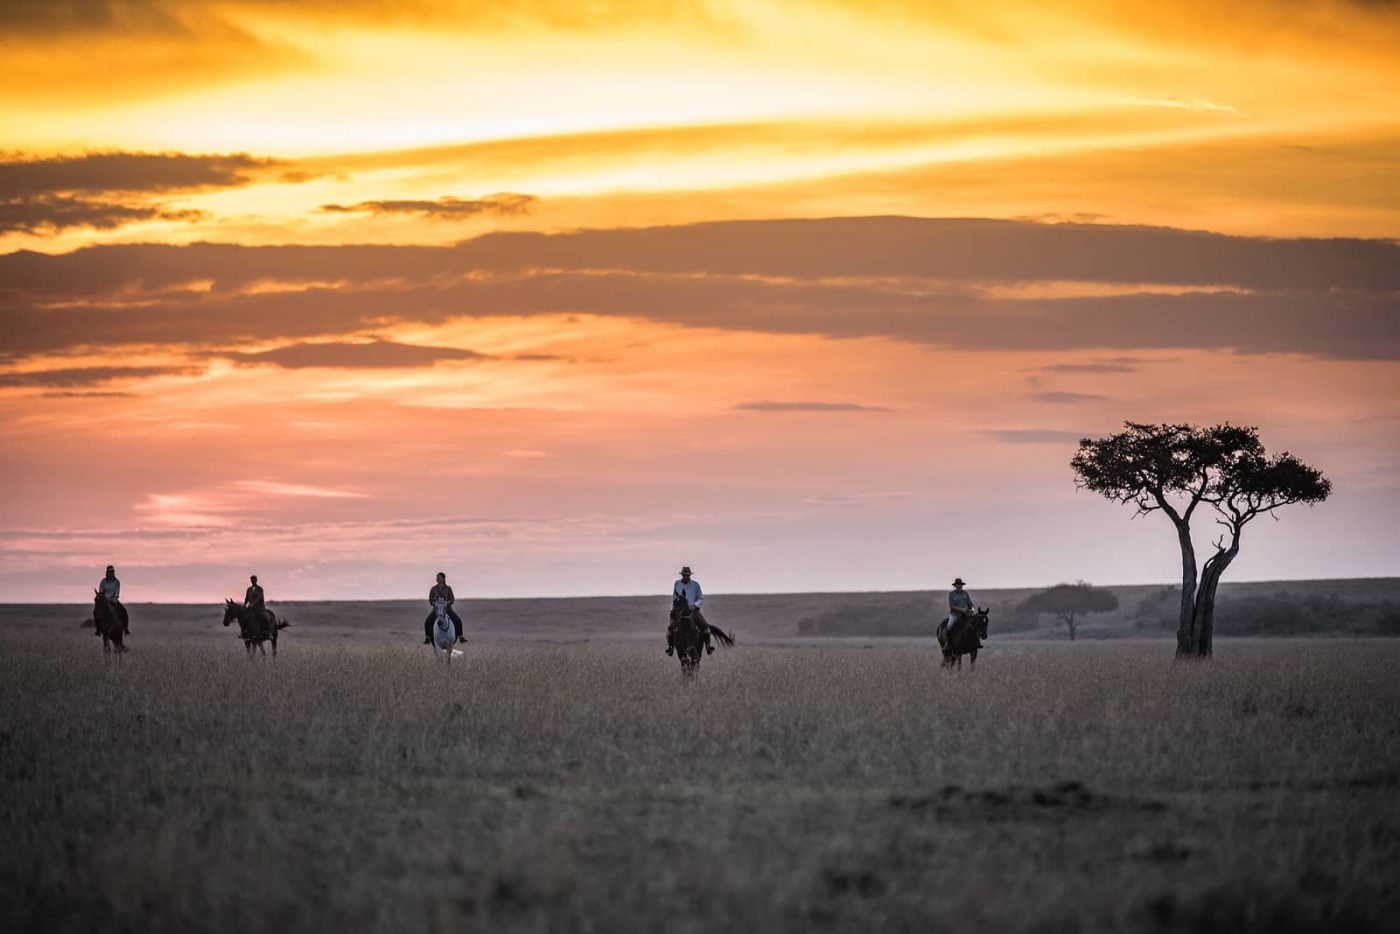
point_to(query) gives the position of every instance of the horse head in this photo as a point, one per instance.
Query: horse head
(980, 621)
(231, 611)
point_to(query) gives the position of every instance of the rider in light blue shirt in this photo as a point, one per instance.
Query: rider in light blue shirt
(687, 593)
(111, 588)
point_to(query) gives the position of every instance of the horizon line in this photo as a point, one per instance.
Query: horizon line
(731, 593)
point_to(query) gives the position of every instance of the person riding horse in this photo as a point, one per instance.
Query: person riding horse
(960, 607)
(255, 601)
(686, 594)
(441, 589)
(111, 588)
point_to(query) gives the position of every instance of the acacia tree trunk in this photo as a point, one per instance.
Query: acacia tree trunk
(1069, 621)
(1205, 596)
(1186, 631)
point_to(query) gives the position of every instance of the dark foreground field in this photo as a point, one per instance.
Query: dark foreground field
(546, 787)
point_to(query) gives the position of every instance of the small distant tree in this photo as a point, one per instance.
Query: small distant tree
(1175, 470)
(1069, 601)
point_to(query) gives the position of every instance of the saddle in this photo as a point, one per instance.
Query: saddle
(263, 615)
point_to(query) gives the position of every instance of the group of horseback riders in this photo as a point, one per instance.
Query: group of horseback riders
(686, 599)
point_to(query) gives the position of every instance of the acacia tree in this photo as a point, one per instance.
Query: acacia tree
(1176, 469)
(1067, 601)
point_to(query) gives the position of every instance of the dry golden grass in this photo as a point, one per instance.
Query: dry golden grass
(586, 787)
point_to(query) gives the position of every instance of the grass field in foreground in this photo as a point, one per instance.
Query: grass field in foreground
(537, 787)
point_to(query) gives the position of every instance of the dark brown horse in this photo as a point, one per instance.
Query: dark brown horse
(966, 638)
(690, 641)
(254, 626)
(109, 622)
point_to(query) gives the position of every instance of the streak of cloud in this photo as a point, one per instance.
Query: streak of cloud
(50, 213)
(90, 376)
(1090, 368)
(1033, 435)
(343, 355)
(103, 191)
(1067, 398)
(505, 204)
(766, 406)
(128, 172)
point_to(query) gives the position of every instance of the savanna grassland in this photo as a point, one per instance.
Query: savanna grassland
(532, 786)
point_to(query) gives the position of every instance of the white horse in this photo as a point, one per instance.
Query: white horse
(444, 634)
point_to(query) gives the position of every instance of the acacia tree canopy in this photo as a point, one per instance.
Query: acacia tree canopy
(1071, 598)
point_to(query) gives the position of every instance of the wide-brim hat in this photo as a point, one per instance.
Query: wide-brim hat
(959, 582)
(687, 570)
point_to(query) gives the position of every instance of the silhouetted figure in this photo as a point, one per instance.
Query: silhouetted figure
(253, 599)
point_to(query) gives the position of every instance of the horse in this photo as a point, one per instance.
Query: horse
(255, 626)
(690, 642)
(965, 640)
(444, 633)
(109, 622)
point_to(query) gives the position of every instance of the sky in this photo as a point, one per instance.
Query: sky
(556, 297)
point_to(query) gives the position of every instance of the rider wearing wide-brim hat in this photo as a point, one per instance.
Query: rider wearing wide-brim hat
(959, 605)
(687, 593)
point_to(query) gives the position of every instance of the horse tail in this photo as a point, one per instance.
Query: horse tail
(282, 624)
(725, 639)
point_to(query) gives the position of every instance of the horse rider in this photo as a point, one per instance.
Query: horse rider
(253, 599)
(959, 606)
(111, 588)
(686, 593)
(441, 589)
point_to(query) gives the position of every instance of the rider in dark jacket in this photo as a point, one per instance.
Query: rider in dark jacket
(253, 598)
(441, 589)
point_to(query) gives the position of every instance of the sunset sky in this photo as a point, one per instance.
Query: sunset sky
(557, 296)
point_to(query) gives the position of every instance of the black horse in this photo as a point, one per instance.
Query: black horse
(966, 639)
(107, 616)
(255, 626)
(690, 641)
